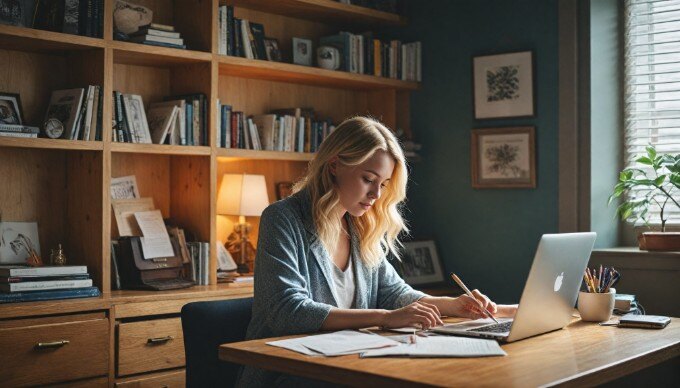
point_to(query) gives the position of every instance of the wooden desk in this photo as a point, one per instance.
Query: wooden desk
(583, 354)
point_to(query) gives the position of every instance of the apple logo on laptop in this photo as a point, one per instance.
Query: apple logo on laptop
(558, 282)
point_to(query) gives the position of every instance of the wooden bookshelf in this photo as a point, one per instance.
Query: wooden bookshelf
(64, 184)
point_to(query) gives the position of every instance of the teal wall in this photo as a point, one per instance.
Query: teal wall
(488, 237)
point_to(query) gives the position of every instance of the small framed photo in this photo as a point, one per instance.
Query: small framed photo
(284, 190)
(420, 263)
(271, 47)
(302, 51)
(10, 109)
(503, 85)
(503, 158)
(17, 240)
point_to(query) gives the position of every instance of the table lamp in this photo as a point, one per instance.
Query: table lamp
(242, 195)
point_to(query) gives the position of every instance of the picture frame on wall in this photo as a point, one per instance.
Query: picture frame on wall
(503, 85)
(420, 263)
(503, 158)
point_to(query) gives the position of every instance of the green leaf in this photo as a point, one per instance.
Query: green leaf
(659, 181)
(651, 152)
(644, 160)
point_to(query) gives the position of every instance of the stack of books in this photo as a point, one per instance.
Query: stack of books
(158, 35)
(79, 110)
(23, 284)
(16, 130)
(234, 277)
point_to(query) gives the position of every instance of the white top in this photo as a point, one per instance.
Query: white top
(343, 285)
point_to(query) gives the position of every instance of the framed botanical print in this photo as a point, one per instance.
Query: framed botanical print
(503, 158)
(503, 85)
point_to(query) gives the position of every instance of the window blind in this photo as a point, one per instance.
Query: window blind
(652, 87)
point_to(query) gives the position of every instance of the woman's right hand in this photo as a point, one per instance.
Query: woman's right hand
(417, 314)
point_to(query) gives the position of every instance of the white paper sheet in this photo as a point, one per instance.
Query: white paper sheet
(441, 347)
(156, 242)
(335, 344)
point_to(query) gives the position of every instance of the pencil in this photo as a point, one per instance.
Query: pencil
(467, 291)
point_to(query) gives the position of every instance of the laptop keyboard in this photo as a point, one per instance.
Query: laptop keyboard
(495, 328)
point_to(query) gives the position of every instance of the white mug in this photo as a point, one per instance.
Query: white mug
(328, 57)
(596, 307)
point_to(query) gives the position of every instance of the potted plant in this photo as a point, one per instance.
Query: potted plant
(661, 188)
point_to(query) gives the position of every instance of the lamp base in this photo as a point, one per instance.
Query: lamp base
(242, 268)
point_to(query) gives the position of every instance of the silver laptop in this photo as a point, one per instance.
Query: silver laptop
(549, 294)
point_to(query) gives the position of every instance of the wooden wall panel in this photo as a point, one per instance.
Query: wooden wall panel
(152, 83)
(190, 194)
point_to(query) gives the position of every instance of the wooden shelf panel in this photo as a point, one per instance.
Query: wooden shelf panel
(28, 39)
(53, 144)
(145, 55)
(264, 155)
(286, 72)
(323, 10)
(163, 149)
(61, 306)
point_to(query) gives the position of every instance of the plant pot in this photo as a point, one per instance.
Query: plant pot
(659, 241)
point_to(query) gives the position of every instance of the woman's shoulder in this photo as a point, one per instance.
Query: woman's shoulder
(289, 208)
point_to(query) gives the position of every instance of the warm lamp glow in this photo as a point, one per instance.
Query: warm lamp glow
(242, 195)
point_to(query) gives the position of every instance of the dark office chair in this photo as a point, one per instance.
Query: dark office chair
(206, 325)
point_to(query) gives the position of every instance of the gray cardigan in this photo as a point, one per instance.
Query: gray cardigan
(293, 279)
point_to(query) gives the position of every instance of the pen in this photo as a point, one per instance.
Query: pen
(467, 291)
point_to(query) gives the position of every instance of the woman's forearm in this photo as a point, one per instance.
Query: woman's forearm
(340, 319)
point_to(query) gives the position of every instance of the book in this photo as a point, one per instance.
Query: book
(158, 26)
(160, 121)
(158, 39)
(18, 134)
(19, 128)
(257, 32)
(45, 285)
(625, 302)
(115, 275)
(65, 106)
(155, 32)
(22, 270)
(23, 279)
(31, 296)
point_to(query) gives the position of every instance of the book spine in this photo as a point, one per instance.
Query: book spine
(18, 128)
(100, 106)
(231, 38)
(44, 271)
(46, 285)
(49, 295)
(18, 134)
(23, 279)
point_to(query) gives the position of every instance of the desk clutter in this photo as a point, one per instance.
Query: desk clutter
(373, 345)
(20, 283)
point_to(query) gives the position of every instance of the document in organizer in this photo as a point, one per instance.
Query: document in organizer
(441, 347)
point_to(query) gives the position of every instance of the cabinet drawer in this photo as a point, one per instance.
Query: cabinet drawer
(174, 379)
(150, 345)
(56, 352)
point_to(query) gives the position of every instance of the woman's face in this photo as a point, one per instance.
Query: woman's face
(360, 186)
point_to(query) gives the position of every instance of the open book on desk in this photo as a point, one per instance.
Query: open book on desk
(441, 347)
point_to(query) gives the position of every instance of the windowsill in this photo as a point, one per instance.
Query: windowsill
(634, 252)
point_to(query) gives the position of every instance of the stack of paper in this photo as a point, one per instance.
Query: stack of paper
(335, 344)
(441, 347)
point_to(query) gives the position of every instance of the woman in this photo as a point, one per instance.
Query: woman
(320, 261)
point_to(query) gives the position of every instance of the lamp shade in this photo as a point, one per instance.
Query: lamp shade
(242, 195)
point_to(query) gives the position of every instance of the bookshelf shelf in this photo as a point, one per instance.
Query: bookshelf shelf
(28, 39)
(286, 72)
(145, 55)
(162, 149)
(54, 144)
(264, 155)
(323, 10)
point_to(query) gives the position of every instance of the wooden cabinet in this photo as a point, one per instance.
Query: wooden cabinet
(173, 379)
(53, 350)
(150, 345)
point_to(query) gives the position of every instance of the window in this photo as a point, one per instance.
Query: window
(652, 84)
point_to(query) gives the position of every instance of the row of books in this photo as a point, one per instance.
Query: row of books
(365, 54)
(290, 130)
(178, 120)
(21, 283)
(199, 268)
(240, 37)
(79, 17)
(17, 130)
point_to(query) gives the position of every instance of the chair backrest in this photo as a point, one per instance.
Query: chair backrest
(206, 325)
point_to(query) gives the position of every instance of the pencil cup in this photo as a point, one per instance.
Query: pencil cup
(596, 307)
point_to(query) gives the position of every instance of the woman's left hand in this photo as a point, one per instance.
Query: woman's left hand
(467, 307)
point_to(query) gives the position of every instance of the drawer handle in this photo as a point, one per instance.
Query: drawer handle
(49, 345)
(159, 340)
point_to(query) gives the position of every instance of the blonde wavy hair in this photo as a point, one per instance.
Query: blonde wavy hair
(353, 142)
